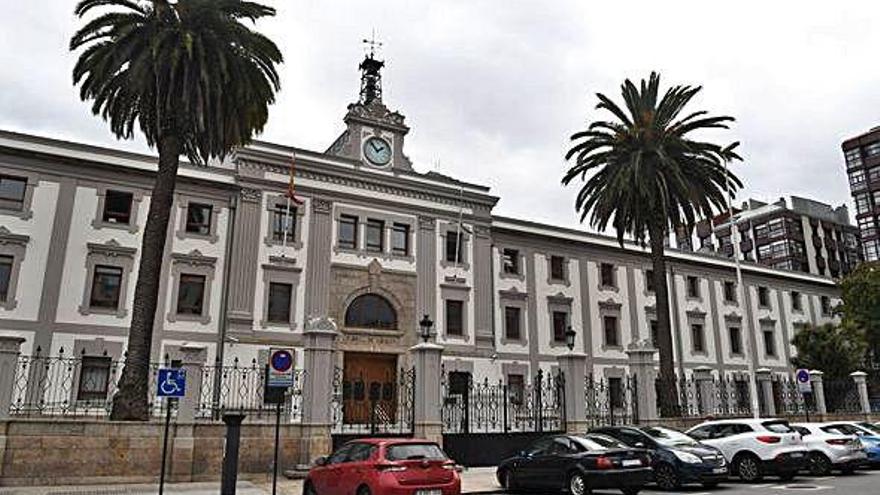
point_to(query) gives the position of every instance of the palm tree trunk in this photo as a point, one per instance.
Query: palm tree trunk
(131, 400)
(668, 387)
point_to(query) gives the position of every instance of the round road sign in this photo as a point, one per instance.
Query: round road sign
(281, 361)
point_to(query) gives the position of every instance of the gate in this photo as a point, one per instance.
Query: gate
(484, 422)
(372, 407)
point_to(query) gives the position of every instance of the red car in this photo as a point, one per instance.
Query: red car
(384, 466)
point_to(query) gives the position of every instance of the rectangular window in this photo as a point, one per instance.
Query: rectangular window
(198, 218)
(5, 276)
(511, 323)
(826, 305)
(454, 317)
(763, 297)
(454, 246)
(516, 386)
(853, 158)
(615, 392)
(735, 340)
(94, 378)
(698, 338)
(729, 291)
(284, 223)
(117, 207)
(857, 179)
(190, 294)
(400, 239)
(560, 325)
(769, 343)
(796, 304)
(609, 326)
(557, 268)
(872, 149)
(106, 285)
(12, 191)
(607, 275)
(693, 287)
(348, 227)
(874, 174)
(863, 203)
(649, 280)
(279, 302)
(655, 333)
(375, 235)
(510, 261)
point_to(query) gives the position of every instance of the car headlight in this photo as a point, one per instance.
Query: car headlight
(687, 457)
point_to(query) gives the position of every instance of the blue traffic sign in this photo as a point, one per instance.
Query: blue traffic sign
(280, 372)
(171, 382)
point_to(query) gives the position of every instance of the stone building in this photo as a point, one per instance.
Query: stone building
(375, 245)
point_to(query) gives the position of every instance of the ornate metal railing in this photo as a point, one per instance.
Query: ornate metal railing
(703, 397)
(611, 400)
(366, 407)
(482, 406)
(842, 396)
(242, 388)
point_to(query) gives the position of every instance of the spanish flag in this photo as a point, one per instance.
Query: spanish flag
(291, 186)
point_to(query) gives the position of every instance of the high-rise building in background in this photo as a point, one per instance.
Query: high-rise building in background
(862, 154)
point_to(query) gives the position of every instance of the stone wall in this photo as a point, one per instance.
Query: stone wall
(55, 451)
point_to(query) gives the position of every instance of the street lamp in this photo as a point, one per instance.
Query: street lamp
(425, 328)
(569, 338)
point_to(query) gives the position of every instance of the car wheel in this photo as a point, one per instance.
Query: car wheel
(631, 491)
(364, 490)
(666, 477)
(309, 489)
(505, 479)
(711, 485)
(577, 484)
(819, 465)
(748, 468)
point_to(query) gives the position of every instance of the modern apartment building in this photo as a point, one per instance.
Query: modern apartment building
(862, 156)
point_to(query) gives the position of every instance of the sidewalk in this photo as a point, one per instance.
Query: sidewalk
(474, 480)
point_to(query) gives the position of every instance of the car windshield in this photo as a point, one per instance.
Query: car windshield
(415, 451)
(777, 426)
(873, 429)
(670, 438)
(598, 442)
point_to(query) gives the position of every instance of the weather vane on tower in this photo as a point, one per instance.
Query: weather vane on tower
(371, 79)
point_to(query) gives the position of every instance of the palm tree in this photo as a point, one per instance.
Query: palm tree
(196, 81)
(644, 174)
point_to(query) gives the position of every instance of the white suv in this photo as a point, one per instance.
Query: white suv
(755, 447)
(829, 449)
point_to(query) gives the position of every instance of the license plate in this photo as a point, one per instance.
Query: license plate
(719, 470)
(632, 462)
(797, 454)
(429, 492)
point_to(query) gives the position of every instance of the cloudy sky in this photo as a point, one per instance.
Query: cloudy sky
(493, 89)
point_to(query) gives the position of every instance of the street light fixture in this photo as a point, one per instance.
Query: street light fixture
(425, 328)
(569, 338)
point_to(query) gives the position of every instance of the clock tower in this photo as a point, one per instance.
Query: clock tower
(374, 134)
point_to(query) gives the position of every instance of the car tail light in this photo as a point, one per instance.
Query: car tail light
(452, 467)
(390, 468)
(768, 439)
(603, 462)
(837, 441)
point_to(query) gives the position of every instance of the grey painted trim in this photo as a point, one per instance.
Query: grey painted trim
(566, 270)
(426, 267)
(193, 263)
(137, 196)
(463, 294)
(245, 250)
(532, 312)
(586, 317)
(607, 311)
(14, 245)
(813, 318)
(562, 304)
(674, 311)
(278, 271)
(749, 326)
(786, 343)
(523, 308)
(317, 295)
(33, 179)
(633, 304)
(55, 260)
(697, 320)
(484, 331)
(182, 202)
(273, 202)
(108, 254)
(716, 322)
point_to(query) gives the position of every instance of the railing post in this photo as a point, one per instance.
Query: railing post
(818, 393)
(10, 349)
(320, 344)
(705, 394)
(860, 379)
(765, 388)
(192, 360)
(427, 421)
(573, 367)
(641, 365)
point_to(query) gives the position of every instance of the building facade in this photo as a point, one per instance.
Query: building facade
(368, 242)
(862, 157)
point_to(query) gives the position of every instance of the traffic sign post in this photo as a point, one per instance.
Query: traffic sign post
(171, 384)
(279, 377)
(802, 376)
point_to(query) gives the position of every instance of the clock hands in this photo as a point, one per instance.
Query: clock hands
(377, 145)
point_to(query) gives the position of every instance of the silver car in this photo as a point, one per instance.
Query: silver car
(829, 449)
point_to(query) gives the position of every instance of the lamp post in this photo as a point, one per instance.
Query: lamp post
(734, 239)
(569, 338)
(425, 326)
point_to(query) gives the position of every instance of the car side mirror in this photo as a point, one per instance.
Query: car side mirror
(523, 453)
(639, 445)
(321, 461)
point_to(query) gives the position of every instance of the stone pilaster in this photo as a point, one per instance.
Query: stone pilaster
(183, 444)
(703, 382)
(245, 251)
(574, 373)
(765, 388)
(484, 334)
(818, 392)
(320, 247)
(426, 267)
(320, 344)
(10, 349)
(427, 422)
(641, 365)
(860, 379)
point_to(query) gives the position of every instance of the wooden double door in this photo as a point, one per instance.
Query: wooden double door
(369, 388)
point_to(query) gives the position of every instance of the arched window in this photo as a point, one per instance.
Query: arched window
(371, 311)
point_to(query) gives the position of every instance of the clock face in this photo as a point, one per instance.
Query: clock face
(377, 151)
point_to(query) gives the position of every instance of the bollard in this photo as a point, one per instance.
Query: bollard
(230, 455)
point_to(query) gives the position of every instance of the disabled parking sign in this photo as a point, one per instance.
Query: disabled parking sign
(171, 382)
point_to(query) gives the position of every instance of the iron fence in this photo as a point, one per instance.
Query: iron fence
(842, 396)
(372, 407)
(242, 388)
(611, 400)
(703, 397)
(471, 406)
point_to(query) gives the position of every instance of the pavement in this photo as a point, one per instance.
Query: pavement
(474, 481)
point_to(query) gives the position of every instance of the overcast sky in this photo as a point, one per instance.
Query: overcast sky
(493, 89)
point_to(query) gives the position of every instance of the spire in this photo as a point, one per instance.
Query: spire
(371, 78)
